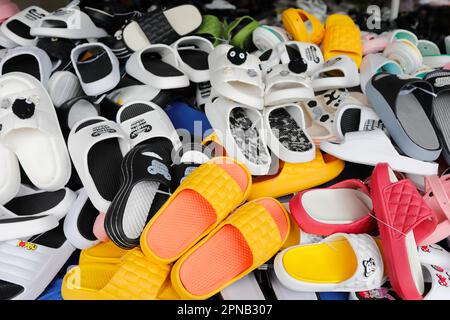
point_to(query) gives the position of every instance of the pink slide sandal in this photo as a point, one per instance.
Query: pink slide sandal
(404, 219)
(437, 197)
(7, 9)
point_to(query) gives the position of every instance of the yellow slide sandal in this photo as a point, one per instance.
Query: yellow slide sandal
(295, 177)
(204, 199)
(341, 262)
(342, 37)
(243, 242)
(135, 278)
(105, 252)
(303, 26)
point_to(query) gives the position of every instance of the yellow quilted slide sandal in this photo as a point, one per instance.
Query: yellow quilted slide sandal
(135, 278)
(244, 241)
(106, 252)
(295, 177)
(204, 199)
(342, 37)
(303, 26)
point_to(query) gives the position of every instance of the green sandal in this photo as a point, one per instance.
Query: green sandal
(212, 29)
(240, 31)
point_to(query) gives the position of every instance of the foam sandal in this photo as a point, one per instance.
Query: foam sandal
(340, 263)
(93, 143)
(294, 177)
(303, 26)
(437, 197)
(441, 84)
(287, 83)
(372, 147)
(372, 43)
(67, 23)
(211, 29)
(404, 106)
(351, 118)
(338, 72)
(342, 37)
(192, 53)
(310, 54)
(405, 54)
(436, 61)
(268, 37)
(437, 282)
(373, 64)
(18, 27)
(345, 207)
(31, 130)
(30, 60)
(157, 65)
(400, 34)
(236, 75)
(63, 86)
(76, 110)
(7, 9)
(97, 68)
(161, 27)
(286, 135)
(146, 180)
(205, 205)
(246, 239)
(240, 129)
(434, 254)
(28, 267)
(79, 222)
(240, 31)
(105, 253)
(141, 92)
(102, 281)
(143, 121)
(10, 176)
(401, 235)
(6, 43)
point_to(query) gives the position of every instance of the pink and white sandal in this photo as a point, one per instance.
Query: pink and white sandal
(345, 207)
(404, 219)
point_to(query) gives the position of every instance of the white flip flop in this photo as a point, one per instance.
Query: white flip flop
(373, 147)
(286, 136)
(29, 60)
(18, 27)
(373, 64)
(30, 129)
(287, 83)
(67, 23)
(338, 72)
(192, 53)
(99, 73)
(236, 75)
(240, 129)
(97, 147)
(79, 222)
(157, 65)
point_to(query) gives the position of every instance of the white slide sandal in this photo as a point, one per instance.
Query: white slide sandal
(30, 129)
(309, 53)
(157, 65)
(63, 86)
(240, 129)
(28, 267)
(236, 75)
(68, 23)
(373, 147)
(192, 53)
(351, 118)
(287, 83)
(79, 222)
(373, 64)
(9, 175)
(18, 27)
(97, 147)
(286, 136)
(337, 73)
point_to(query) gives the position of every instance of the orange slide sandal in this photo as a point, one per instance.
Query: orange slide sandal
(243, 242)
(204, 199)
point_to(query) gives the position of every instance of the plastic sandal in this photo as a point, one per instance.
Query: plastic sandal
(295, 177)
(337, 73)
(373, 64)
(345, 207)
(172, 232)
(296, 22)
(239, 32)
(401, 235)
(405, 54)
(247, 239)
(352, 118)
(434, 254)
(268, 37)
(341, 262)
(212, 29)
(342, 37)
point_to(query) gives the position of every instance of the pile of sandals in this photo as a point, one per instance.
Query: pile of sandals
(165, 154)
